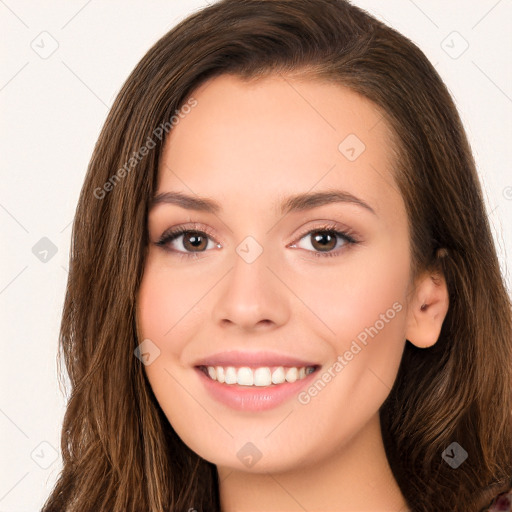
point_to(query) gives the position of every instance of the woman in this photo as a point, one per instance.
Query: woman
(283, 290)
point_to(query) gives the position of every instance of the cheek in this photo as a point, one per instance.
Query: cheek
(363, 287)
(167, 315)
(168, 303)
(363, 306)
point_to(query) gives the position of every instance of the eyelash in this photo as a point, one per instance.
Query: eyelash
(173, 234)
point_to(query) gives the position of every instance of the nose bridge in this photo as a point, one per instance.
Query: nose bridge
(251, 293)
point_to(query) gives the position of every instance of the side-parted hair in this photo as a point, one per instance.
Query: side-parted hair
(120, 453)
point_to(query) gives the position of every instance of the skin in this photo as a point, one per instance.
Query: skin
(248, 145)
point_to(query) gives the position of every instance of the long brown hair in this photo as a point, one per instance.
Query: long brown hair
(119, 451)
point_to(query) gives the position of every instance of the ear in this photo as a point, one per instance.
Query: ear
(427, 309)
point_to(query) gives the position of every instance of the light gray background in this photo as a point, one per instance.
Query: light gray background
(52, 109)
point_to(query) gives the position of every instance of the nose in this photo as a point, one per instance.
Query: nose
(252, 296)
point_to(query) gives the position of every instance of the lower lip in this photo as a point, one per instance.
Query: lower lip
(253, 398)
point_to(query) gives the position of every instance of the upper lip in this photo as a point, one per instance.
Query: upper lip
(258, 359)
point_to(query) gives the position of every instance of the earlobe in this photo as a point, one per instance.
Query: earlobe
(427, 310)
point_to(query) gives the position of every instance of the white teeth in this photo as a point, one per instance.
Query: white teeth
(278, 376)
(264, 376)
(230, 376)
(245, 377)
(291, 375)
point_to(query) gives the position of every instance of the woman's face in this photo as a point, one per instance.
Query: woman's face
(261, 286)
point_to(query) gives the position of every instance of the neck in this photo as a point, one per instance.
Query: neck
(356, 477)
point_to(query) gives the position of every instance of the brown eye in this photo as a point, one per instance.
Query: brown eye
(186, 241)
(323, 240)
(193, 240)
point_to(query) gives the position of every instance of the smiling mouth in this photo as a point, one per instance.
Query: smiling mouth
(263, 376)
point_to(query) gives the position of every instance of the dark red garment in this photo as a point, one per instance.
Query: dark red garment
(502, 503)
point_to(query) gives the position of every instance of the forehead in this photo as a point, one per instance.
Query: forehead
(249, 143)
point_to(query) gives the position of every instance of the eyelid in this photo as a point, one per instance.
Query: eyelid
(341, 231)
(331, 226)
(193, 226)
(176, 232)
(348, 235)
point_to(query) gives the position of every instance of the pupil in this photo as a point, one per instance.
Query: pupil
(194, 241)
(326, 235)
(326, 241)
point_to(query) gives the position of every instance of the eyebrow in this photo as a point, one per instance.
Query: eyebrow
(299, 202)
